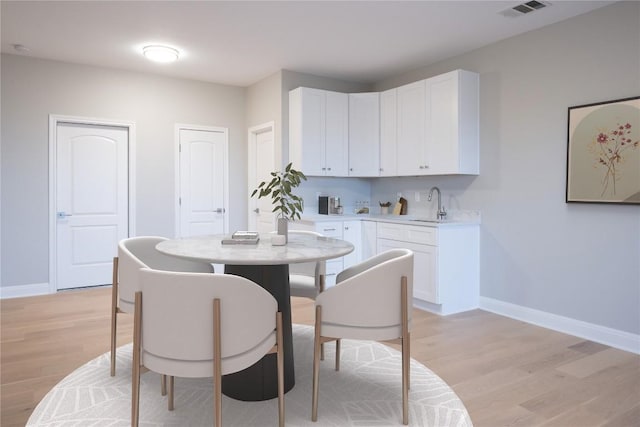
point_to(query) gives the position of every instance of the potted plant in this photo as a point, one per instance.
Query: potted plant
(285, 204)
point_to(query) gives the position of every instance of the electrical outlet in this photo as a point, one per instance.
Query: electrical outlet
(417, 196)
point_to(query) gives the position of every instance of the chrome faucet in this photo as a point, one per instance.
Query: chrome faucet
(442, 213)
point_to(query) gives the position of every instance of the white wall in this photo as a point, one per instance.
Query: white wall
(580, 261)
(33, 88)
(264, 104)
(268, 100)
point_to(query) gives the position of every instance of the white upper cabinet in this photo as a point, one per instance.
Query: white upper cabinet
(411, 129)
(429, 127)
(452, 123)
(318, 131)
(439, 136)
(364, 134)
(337, 134)
(388, 133)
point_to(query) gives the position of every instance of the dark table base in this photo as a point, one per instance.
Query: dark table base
(260, 381)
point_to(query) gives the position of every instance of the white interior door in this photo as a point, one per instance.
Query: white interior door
(91, 202)
(202, 164)
(261, 164)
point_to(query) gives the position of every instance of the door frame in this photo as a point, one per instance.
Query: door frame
(54, 121)
(182, 126)
(252, 137)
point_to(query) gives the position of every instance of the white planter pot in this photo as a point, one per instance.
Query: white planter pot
(283, 228)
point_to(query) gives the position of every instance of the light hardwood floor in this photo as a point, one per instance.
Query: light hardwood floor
(508, 373)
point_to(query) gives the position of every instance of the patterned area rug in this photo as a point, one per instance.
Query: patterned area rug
(365, 392)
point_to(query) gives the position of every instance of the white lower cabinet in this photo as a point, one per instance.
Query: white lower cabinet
(369, 239)
(446, 263)
(425, 268)
(350, 231)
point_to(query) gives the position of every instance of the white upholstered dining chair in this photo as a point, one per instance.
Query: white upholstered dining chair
(371, 301)
(306, 279)
(197, 325)
(135, 253)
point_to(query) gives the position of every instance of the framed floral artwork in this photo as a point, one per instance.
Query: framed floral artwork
(603, 152)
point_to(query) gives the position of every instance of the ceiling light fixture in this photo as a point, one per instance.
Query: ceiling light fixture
(160, 53)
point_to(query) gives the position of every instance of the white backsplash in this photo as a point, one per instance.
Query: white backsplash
(354, 190)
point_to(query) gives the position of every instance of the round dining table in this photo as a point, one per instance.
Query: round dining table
(268, 266)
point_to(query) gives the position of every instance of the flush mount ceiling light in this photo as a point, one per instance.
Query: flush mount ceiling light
(160, 53)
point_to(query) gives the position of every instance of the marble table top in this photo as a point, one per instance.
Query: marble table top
(300, 248)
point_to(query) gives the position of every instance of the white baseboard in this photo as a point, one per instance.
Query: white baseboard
(24, 290)
(601, 334)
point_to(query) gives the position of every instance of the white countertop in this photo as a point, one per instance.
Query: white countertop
(300, 248)
(459, 219)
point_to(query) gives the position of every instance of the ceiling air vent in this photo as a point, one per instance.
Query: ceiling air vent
(524, 8)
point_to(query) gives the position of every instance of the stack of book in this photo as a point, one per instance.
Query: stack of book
(242, 238)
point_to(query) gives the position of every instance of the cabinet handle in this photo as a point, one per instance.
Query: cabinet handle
(329, 229)
(351, 169)
(324, 169)
(421, 167)
(330, 274)
(381, 170)
(346, 228)
(328, 169)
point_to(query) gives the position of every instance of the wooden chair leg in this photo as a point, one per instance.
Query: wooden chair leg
(163, 385)
(408, 361)
(405, 382)
(170, 399)
(322, 286)
(405, 350)
(114, 314)
(338, 341)
(280, 359)
(135, 380)
(217, 366)
(316, 364)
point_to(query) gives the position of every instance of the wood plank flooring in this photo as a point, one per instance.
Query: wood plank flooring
(508, 373)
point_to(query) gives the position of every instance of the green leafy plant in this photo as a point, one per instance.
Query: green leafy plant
(286, 204)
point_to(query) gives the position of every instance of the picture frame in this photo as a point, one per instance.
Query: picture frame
(603, 152)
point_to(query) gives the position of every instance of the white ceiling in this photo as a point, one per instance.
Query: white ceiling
(239, 43)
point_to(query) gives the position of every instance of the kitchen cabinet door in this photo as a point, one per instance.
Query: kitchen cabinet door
(411, 130)
(318, 131)
(336, 150)
(425, 266)
(369, 237)
(452, 123)
(388, 133)
(352, 233)
(307, 130)
(364, 134)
